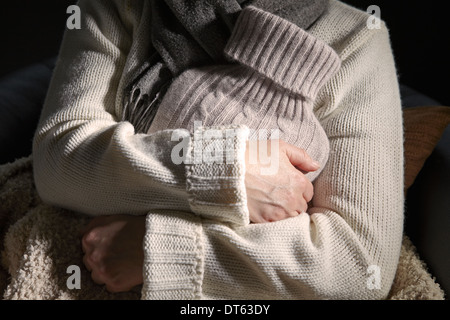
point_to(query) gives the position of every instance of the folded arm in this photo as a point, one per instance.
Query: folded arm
(353, 228)
(87, 160)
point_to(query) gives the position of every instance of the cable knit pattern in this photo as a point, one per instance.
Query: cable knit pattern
(85, 160)
(272, 87)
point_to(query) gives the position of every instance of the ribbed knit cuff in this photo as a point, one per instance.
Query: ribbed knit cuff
(215, 173)
(173, 257)
(281, 51)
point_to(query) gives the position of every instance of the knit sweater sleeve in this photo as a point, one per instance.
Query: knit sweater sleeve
(87, 160)
(348, 244)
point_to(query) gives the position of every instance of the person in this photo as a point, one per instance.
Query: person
(184, 231)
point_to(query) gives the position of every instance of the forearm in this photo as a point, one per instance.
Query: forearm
(355, 222)
(86, 160)
(111, 170)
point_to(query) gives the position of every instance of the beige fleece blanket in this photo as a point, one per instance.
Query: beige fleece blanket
(41, 242)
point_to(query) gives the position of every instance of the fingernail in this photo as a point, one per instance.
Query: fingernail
(316, 164)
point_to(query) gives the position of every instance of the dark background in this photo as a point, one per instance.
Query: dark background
(31, 31)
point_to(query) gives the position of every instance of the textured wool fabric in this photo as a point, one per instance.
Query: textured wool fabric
(86, 160)
(301, 12)
(187, 34)
(271, 86)
(41, 241)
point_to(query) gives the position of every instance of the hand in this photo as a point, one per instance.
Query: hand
(113, 252)
(283, 193)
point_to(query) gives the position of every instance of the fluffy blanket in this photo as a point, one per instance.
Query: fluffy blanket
(40, 243)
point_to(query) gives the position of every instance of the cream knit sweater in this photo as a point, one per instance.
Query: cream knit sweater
(199, 243)
(277, 71)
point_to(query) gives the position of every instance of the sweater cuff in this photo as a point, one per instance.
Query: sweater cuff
(281, 51)
(215, 173)
(173, 257)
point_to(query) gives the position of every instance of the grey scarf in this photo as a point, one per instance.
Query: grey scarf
(193, 33)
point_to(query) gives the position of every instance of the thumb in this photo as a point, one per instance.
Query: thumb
(300, 159)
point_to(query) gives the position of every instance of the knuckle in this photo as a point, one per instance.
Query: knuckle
(310, 189)
(87, 263)
(103, 269)
(89, 237)
(109, 272)
(97, 257)
(85, 243)
(304, 206)
(293, 213)
(310, 195)
(278, 214)
(300, 180)
(290, 197)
